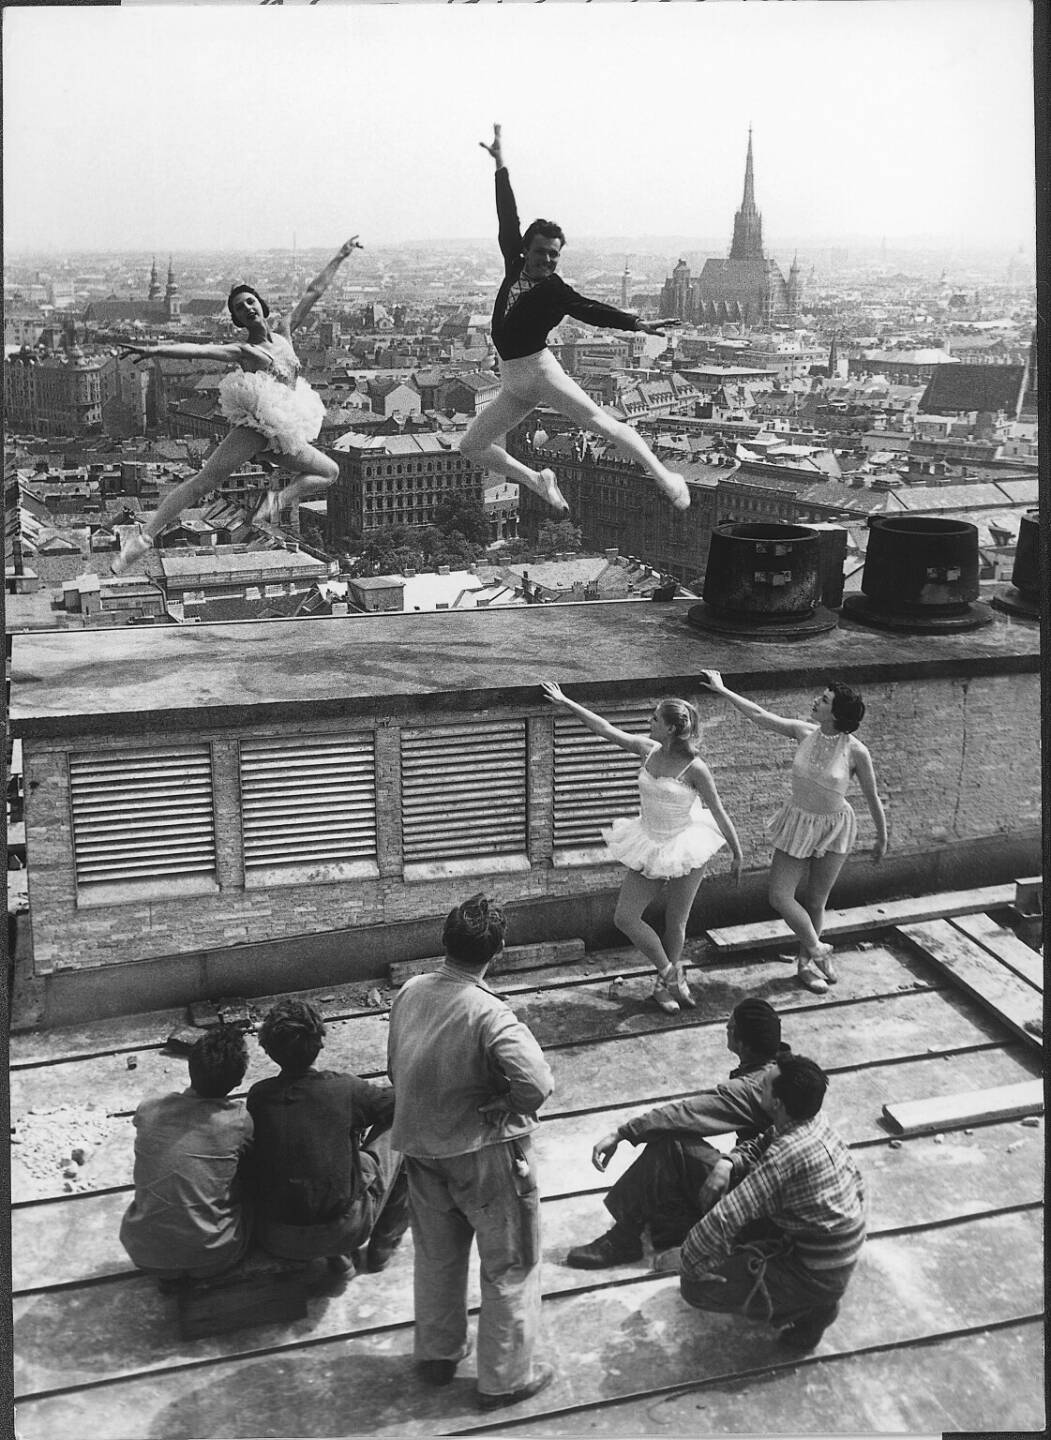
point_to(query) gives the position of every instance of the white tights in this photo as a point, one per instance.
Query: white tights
(540, 380)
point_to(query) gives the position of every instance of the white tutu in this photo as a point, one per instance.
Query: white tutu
(664, 857)
(289, 418)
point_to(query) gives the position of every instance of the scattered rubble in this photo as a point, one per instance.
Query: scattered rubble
(58, 1142)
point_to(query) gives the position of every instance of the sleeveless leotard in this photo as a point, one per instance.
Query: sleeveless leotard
(673, 833)
(276, 400)
(818, 818)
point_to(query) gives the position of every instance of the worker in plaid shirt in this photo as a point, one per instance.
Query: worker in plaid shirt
(783, 1236)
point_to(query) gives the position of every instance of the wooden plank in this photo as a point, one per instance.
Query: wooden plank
(611, 1342)
(976, 1107)
(867, 917)
(1010, 999)
(1005, 945)
(514, 957)
(265, 1298)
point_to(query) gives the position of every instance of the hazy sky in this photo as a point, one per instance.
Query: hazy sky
(233, 126)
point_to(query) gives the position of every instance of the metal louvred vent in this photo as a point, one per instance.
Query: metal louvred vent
(142, 814)
(308, 803)
(594, 781)
(463, 791)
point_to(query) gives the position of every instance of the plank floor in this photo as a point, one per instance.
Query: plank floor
(941, 1329)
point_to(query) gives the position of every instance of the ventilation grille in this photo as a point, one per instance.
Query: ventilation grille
(310, 803)
(594, 781)
(463, 791)
(142, 814)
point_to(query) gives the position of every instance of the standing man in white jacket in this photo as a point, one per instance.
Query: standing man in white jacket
(468, 1080)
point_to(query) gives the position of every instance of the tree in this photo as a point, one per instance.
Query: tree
(556, 535)
(460, 511)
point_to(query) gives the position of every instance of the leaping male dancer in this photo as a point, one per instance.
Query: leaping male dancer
(531, 300)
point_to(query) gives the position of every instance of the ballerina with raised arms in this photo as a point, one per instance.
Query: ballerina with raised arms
(269, 405)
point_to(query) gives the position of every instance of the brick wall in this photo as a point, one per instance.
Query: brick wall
(957, 759)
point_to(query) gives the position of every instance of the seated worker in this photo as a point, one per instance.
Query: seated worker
(674, 1181)
(321, 1186)
(187, 1221)
(782, 1243)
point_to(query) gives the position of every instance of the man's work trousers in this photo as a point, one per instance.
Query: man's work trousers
(763, 1279)
(479, 1196)
(660, 1188)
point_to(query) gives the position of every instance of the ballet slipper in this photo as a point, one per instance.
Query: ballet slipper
(662, 994)
(810, 980)
(134, 547)
(547, 489)
(680, 989)
(822, 961)
(674, 488)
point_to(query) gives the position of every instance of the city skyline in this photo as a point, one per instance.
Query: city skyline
(895, 120)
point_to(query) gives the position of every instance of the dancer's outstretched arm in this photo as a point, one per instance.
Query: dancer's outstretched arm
(509, 227)
(637, 744)
(797, 729)
(321, 282)
(186, 351)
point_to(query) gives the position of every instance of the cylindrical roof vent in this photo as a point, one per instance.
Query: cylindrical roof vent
(762, 582)
(920, 577)
(1022, 596)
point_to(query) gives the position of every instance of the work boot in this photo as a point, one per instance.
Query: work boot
(542, 1378)
(379, 1251)
(804, 1334)
(617, 1247)
(441, 1372)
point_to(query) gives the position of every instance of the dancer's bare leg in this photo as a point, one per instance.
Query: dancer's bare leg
(786, 874)
(492, 424)
(237, 446)
(682, 891)
(557, 389)
(315, 473)
(823, 874)
(636, 892)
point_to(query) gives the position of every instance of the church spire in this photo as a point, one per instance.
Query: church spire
(155, 284)
(748, 202)
(748, 223)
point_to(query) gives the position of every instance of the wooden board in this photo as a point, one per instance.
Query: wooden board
(867, 917)
(1005, 945)
(515, 957)
(242, 1303)
(1010, 999)
(976, 1107)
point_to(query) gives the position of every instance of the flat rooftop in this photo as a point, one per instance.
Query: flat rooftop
(207, 674)
(940, 1330)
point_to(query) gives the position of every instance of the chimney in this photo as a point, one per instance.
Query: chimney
(763, 582)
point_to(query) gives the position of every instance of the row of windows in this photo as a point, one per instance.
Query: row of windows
(148, 814)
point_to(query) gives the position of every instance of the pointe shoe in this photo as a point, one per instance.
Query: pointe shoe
(548, 490)
(810, 980)
(675, 489)
(822, 961)
(134, 547)
(662, 995)
(680, 989)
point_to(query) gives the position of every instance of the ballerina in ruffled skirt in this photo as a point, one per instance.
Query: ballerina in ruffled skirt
(681, 824)
(269, 405)
(813, 832)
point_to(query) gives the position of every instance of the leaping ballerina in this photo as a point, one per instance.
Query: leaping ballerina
(531, 300)
(269, 405)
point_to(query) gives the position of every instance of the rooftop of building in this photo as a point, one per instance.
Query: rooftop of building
(196, 675)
